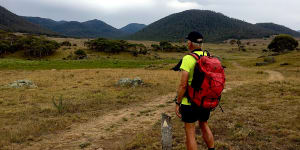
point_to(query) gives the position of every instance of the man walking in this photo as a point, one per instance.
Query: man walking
(184, 110)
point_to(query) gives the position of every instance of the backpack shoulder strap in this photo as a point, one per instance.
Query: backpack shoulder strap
(195, 55)
(207, 53)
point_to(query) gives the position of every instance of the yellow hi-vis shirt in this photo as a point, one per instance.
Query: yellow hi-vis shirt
(188, 64)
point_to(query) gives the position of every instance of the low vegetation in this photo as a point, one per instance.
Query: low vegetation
(109, 46)
(116, 46)
(36, 47)
(66, 43)
(165, 46)
(86, 94)
(283, 43)
(80, 54)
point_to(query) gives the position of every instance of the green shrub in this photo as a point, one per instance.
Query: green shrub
(140, 48)
(269, 59)
(134, 53)
(181, 48)
(8, 42)
(232, 42)
(136, 49)
(65, 43)
(32, 46)
(4, 47)
(109, 46)
(239, 42)
(155, 47)
(168, 47)
(37, 47)
(165, 46)
(283, 42)
(242, 48)
(80, 54)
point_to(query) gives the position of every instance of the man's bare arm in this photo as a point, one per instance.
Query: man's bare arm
(182, 86)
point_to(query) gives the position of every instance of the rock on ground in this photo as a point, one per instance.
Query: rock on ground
(130, 82)
(22, 83)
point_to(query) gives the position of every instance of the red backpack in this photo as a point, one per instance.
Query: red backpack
(208, 82)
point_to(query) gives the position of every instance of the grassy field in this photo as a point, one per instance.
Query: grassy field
(19, 64)
(260, 113)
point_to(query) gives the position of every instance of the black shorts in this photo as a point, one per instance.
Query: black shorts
(191, 114)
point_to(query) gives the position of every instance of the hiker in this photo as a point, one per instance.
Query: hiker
(189, 113)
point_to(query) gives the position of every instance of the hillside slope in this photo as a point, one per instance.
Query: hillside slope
(133, 28)
(214, 26)
(279, 29)
(12, 22)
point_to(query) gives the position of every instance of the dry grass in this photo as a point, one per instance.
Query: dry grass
(259, 114)
(29, 113)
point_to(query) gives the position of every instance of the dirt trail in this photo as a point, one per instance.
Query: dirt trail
(235, 64)
(100, 130)
(273, 76)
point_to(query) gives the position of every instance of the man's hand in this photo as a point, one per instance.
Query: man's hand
(177, 110)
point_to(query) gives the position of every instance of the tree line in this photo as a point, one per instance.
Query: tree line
(31, 45)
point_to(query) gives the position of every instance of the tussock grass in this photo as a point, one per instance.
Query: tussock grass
(27, 114)
(257, 116)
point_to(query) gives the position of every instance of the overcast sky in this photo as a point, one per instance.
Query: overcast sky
(119, 13)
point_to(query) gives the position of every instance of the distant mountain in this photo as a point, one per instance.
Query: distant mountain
(46, 23)
(298, 30)
(133, 28)
(100, 28)
(89, 29)
(279, 29)
(12, 22)
(214, 26)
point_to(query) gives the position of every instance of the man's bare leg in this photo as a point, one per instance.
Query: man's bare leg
(191, 143)
(207, 134)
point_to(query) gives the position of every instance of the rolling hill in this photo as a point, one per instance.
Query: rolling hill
(214, 26)
(89, 29)
(12, 22)
(279, 29)
(133, 28)
(44, 22)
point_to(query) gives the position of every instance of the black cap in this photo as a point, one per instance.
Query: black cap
(195, 37)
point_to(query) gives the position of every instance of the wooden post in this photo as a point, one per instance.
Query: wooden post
(166, 132)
